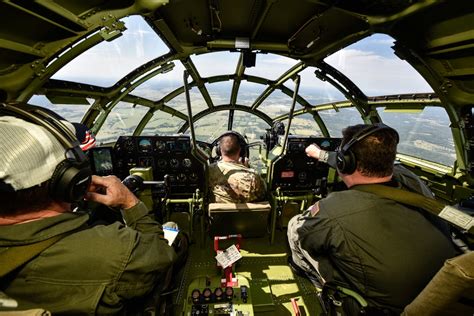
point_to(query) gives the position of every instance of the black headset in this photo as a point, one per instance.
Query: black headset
(346, 161)
(73, 175)
(242, 143)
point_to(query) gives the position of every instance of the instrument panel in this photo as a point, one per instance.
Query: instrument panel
(296, 171)
(167, 155)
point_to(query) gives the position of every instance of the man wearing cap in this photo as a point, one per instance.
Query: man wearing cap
(384, 250)
(86, 270)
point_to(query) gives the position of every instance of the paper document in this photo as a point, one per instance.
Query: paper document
(170, 234)
(228, 256)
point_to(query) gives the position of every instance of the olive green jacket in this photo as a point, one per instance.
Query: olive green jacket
(91, 271)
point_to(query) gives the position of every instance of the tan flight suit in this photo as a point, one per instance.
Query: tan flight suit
(232, 182)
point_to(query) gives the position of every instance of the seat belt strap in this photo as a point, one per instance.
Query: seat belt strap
(446, 212)
(14, 257)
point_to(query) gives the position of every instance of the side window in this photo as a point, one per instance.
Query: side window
(425, 135)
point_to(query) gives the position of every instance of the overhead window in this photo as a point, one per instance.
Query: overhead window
(213, 64)
(425, 134)
(372, 65)
(107, 62)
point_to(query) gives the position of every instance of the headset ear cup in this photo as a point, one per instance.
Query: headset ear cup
(346, 162)
(70, 181)
(218, 149)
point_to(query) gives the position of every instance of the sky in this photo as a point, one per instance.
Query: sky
(370, 64)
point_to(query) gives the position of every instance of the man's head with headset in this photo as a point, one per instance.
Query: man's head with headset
(41, 162)
(366, 154)
(232, 147)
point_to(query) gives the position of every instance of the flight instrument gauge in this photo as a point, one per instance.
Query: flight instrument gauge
(160, 146)
(128, 145)
(187, 162)
(181, 177)
(161, 163)
(174, 163)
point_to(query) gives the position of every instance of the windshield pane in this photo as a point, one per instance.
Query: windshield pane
(248, 92)
(110, 61)
(213, 64)
(162, 123)
(197, 102)
(252, 127)
(220, 92)
(122, 121)
(426, 135)
(71, 112)
(277, 104)
(374, 68)
(314, 90)
(162, 84)
(211, 126)
(337, 121)
(305, 125)
(270, 66)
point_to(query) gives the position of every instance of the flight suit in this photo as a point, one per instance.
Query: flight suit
(232, 182)
(93, 270)
(382, 249)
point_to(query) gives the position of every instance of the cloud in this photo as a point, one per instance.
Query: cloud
(376, 74)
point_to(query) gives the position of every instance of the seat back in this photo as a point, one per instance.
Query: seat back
(247, 219)
(450, 292)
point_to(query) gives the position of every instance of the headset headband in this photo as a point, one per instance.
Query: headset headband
(363, 133)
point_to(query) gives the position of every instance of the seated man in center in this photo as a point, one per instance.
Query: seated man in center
(230, 179)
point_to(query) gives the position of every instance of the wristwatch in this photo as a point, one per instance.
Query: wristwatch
(323, 156)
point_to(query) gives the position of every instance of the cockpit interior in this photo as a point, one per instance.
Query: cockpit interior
(159, 81)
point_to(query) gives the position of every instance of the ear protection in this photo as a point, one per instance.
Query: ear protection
(72, 176)
(346, 161)
(242, 143)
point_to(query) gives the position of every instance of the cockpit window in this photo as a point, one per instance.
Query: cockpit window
(71, 112)
(197, 102)
(213, 64)
(270, 66)
(336, 121)
(211, 126)
(277, 103)
(107, 62)
(425, 134)
(162, 123)
(314, 90)
(220, 92)
(248, 92)
(251, 127)
(123, 120)
(305, 125)
(161, 84)
(372, 65)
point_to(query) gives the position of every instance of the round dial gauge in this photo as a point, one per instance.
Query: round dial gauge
(187, 162)
(174, 163)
